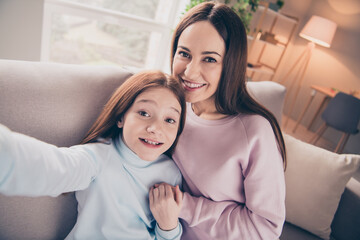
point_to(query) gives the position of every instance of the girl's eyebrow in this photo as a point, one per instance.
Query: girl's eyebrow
(154, 103)
(205, 52)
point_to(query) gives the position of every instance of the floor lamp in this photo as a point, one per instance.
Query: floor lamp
(319, 31)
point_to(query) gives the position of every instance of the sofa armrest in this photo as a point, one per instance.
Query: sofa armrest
(292, 232)
(346, 223)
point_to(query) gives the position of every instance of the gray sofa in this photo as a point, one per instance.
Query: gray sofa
(57, 103)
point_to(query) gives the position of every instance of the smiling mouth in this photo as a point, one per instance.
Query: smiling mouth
(150, 143)
(192, 86)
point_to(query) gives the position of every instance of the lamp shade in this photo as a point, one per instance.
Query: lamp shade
(319, 30)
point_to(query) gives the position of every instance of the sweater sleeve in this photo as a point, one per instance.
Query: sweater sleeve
(174, 234)
(30, 167)
(228, 220)
(262, 215)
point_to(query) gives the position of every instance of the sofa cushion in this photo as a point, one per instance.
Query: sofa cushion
(315, 180)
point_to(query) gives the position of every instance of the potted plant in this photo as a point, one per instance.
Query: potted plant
(277, 5)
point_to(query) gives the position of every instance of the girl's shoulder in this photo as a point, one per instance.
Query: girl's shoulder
(100, 150)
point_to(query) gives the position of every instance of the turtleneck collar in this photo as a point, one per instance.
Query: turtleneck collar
(128, 156)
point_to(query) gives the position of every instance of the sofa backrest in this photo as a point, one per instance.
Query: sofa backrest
(270, 94)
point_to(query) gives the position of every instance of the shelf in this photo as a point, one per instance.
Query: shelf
(279, 14)
(272, 32)
(261, 69)
(279, 44)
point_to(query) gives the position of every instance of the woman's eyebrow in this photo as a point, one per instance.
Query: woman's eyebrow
(211, 52)
(204, 52)
(185, 48)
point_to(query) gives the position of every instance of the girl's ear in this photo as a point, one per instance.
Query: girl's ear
(120, 123)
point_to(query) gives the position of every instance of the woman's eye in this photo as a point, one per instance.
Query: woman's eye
(210, 59)
(170, 120)
(184, 54)
(144, 114)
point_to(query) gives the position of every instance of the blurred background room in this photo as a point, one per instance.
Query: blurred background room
(309, 46)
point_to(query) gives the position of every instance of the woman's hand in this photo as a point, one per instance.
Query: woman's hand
(165, 204)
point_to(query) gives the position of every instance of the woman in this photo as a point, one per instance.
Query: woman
(231, 152)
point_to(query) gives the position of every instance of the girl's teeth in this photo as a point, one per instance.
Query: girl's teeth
(151, 142)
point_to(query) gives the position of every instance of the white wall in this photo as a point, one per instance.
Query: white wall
(20, 29)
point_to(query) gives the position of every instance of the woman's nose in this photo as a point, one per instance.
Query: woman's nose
(192, 70)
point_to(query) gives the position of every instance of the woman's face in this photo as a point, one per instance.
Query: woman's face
(151, 124)
(198, 61)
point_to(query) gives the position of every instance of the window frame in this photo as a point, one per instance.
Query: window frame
(154, 60)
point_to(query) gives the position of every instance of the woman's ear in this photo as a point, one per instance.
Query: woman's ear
(120, 123)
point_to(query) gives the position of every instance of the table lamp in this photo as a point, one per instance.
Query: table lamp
(319, 31)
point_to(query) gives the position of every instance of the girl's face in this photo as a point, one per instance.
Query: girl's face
(198, 61)
(150, 125)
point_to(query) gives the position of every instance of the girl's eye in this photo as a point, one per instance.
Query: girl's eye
(144, 114)
(210, 60)
(171, 121)
(184, 54)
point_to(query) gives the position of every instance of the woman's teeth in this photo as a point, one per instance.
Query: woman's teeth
(193, 85)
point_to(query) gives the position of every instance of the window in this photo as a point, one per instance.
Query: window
(132, 33)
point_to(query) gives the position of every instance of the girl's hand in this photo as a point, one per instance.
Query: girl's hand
(165, 204)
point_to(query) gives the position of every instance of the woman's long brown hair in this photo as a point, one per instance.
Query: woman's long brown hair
(232, 96)
(106, 124)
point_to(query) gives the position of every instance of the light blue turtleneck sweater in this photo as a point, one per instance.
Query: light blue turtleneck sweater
(111, 183)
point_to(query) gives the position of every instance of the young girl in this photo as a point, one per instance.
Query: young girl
(121, 158)
(231, 153)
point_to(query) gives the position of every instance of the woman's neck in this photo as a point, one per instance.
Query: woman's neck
(207, 110)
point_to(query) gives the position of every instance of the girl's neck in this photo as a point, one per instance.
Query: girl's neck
(207, 110)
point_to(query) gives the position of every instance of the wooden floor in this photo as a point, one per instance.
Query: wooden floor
(303, 134)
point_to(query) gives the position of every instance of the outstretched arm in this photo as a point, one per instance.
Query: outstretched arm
(34, 168)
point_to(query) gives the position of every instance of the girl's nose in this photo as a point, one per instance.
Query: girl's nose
(150, 129)
(153, 127)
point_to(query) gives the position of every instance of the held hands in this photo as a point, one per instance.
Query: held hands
(165, 204)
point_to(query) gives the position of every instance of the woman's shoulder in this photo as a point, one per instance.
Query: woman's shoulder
(253, 120)
(254, 125)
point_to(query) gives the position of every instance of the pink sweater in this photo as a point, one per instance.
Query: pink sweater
(234, 179)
